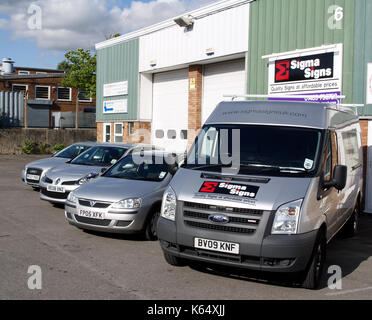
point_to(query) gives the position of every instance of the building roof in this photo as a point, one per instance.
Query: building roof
(31, 76)
(195, 14)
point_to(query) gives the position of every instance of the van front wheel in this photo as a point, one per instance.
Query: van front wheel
(313, 274)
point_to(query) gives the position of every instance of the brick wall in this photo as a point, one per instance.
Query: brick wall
(195, 101)
(142, 132)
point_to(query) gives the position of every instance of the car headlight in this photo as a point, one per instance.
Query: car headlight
(133, 203)
(286, 218)
(72, 198)
(169, 205)
(87, 178)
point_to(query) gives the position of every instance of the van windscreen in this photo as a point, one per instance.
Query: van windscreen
(256, 149)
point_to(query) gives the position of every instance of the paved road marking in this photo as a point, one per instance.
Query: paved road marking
(348, 291)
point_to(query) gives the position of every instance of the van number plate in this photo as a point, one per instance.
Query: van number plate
(215, 245)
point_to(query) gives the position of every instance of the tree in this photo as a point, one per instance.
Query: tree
(80, 68)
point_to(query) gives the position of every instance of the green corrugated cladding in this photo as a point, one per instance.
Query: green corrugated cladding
(118, 63)
(363, 52)
(285, 25)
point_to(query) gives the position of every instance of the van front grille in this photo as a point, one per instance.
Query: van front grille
(239, 220)
(218, 227)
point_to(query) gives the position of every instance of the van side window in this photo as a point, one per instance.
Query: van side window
(350, 141)
(327, 160)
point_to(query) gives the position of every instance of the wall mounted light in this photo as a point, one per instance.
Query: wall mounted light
(184, 21)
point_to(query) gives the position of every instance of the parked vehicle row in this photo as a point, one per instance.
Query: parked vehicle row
(265, 186)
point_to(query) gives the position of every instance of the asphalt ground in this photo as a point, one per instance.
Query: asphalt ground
(81, 265)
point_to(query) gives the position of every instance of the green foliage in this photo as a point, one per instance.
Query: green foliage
(28, 146)
(63, 66)
(44, 148)
(58, 147)
(80, 67)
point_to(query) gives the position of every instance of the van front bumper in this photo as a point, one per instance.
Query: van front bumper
(276, 253)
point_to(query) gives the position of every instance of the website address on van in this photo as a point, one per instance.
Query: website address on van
(267, 112)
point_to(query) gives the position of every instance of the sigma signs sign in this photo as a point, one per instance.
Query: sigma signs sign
(115, 106)
(307, 72)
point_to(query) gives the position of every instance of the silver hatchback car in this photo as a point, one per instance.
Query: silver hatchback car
(125, 199)
(58, 182)
(34, 171)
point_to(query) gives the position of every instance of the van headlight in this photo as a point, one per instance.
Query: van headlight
(71, 198)
(287, 217)
(169, 204)
(127, 204)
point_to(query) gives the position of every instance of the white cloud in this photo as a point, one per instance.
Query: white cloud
(68, 24)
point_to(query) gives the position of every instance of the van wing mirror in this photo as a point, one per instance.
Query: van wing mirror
(339, 178)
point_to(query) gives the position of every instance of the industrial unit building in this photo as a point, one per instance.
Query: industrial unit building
(159, 84)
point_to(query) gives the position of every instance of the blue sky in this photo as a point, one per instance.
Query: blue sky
(60, 25)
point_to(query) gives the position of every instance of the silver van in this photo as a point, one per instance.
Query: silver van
(265, 186)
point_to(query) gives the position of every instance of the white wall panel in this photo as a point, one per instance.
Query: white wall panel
(225, 32)
(170, 108)
(219, 79)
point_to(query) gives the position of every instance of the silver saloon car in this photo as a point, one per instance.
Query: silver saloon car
(125, 199)
(34, 171)
(58, 182)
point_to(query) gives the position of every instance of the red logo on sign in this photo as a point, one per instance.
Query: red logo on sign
(282, 70)
(209, 187)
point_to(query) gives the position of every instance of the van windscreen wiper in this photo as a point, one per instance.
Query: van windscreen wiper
(266, 167)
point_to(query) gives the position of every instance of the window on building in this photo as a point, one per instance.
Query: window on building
(42, 92)
(23, 72)
(64, 94)
(159, 134)
(183, 134)
(40, 72)
(131, 128)
(118, 133)
(20, 88)
(83, 97)
(107, 132)
(172, 134)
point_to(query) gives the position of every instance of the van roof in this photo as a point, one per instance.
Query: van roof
(286, 113)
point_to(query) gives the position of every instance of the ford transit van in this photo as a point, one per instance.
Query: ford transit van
(265, 186)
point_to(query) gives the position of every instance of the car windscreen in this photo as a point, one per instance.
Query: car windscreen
(103, 156)
(258, 149)
(72, 151)
(153, 169)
